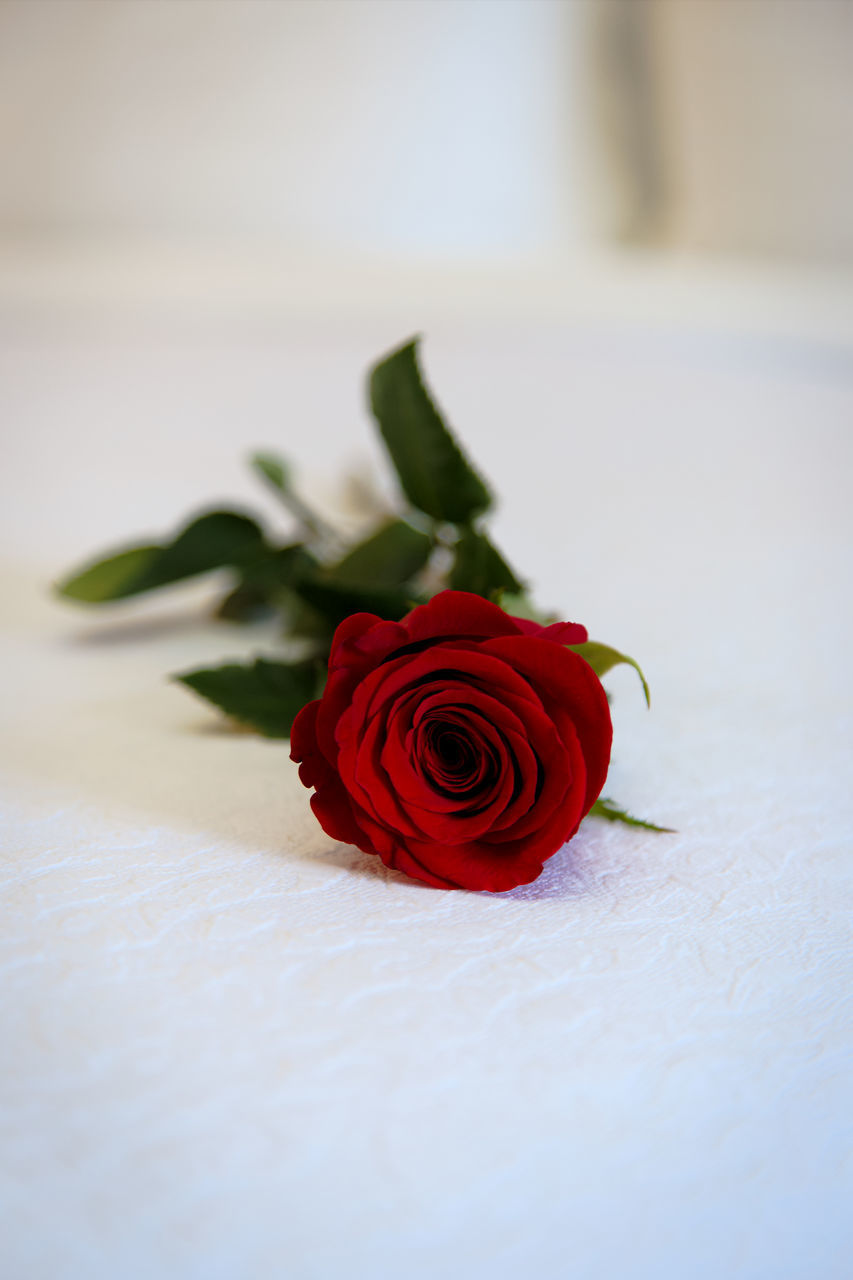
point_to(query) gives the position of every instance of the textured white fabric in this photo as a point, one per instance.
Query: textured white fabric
(232, 1047)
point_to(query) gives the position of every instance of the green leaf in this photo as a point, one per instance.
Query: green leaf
(479, 567)
(272, 468)
(209, 542)
(264, 695)
(266, 584)
(389, 557)
(109, 579)
(279, 567)
(302, 620)
(606, 809)
(244, 604)
(434, 473)
(337, 599)
(602, 659)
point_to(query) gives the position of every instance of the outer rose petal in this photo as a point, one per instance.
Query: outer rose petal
(334, 812)
(303, 746)
(452, 614)
(562, 632)
(362, 640)
(402, 860)
(568, 684)
(331, 802)
(360, 643)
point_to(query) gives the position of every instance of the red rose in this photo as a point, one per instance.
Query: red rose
(461, 745)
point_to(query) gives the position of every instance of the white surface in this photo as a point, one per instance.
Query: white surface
(232, 1048)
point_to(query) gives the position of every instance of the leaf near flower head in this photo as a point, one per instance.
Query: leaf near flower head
(336, 598)
(602, 659)
(479, 567)
(393, 554)
(264, 695)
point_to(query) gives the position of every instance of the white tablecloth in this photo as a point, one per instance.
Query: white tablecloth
(233, 1048)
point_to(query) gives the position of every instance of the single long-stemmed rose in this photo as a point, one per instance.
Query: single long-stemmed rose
(460, 737)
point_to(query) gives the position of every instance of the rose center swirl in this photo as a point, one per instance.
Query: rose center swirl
(455, 757)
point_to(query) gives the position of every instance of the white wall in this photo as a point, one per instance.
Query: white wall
(432, 129)
(425, 126)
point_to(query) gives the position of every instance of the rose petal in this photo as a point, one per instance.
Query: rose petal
(457, 662)
(334, 811)
(516, 694)
(573, 693)
(458, 613)
(400, 859)
(497, 867)
(362, 640)
(561, 632)
(535, 746)
(465, 820)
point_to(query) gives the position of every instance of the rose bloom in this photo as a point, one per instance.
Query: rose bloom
(461, 745)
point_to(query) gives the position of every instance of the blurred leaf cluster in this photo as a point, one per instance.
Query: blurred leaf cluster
(438, 540)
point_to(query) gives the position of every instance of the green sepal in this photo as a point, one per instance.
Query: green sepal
(434, 473)
(602, 659)
(211, 541)
(392, 555)
(604, 808)
(479, 567)
(264, 695)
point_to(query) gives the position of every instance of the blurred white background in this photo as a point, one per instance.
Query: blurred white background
(445, 131)
(388, 125)
(675, 167)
